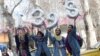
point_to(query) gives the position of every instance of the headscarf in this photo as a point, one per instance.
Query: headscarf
(58, 37)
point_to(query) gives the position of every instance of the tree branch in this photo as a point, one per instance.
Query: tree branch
(15, 6)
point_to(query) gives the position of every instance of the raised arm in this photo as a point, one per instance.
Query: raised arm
(74, 28)
(45, 30)
(51, 37)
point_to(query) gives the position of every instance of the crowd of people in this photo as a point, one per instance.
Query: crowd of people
(61, 46)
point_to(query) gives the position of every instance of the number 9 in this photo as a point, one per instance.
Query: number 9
(52, 20)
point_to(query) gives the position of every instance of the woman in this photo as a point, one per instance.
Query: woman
(59, 43)
(41, 44)
(22, 42)
(71, 41)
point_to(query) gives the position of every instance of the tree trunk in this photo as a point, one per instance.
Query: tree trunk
(10, 24)
(91, 36)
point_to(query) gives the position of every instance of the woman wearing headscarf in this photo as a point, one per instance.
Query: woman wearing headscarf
(58, 43)
(22, 42)
(71, 41)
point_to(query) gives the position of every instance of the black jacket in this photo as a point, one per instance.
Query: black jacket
(26, 43)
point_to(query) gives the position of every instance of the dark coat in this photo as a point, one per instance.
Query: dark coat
(25, 45)
(72, 43)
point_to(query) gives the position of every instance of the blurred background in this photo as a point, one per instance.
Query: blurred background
(19, 13)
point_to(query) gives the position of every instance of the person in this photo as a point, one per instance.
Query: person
(30, 33)
(71, 41)
(5, 53)
(27, 36)
(41, 44)
(22, 42)
(58, 43)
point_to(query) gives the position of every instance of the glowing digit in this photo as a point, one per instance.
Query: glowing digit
(72, 11)
(52, 20)
(37, 17)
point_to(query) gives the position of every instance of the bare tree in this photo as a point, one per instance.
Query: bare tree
(10, 22)
(88, 24)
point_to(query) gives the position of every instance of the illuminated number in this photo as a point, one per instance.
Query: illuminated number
(37, 17)
(52, 20)
(72, 11)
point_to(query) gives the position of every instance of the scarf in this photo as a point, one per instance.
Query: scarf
(58, 37)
